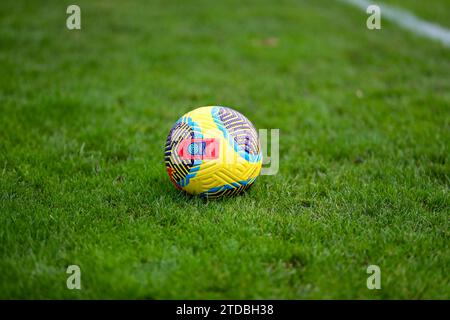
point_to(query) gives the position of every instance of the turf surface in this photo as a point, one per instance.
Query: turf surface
(364, 170)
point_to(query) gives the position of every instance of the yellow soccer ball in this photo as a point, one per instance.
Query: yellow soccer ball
(213, 152)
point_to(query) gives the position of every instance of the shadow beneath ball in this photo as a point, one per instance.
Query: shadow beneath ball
(177, 194)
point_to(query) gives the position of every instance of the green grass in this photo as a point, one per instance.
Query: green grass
(436, 11)
(364, 169)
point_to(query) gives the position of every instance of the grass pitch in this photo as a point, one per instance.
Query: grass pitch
(364, 169)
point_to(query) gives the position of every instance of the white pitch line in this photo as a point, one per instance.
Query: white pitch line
(407, 20)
